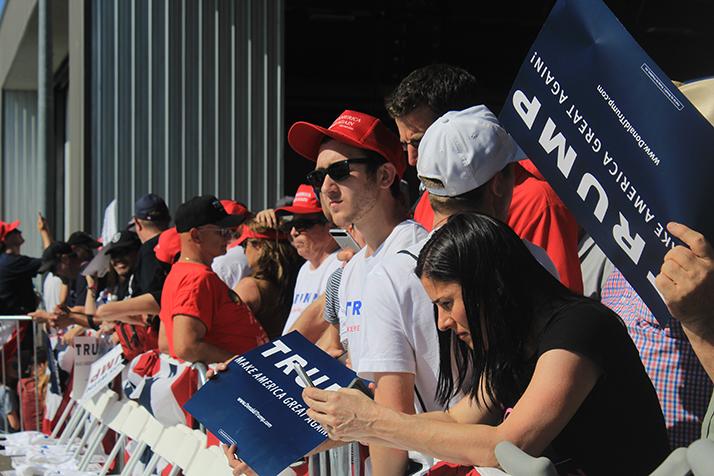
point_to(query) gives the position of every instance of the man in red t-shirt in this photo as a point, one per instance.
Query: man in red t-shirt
(205, 320)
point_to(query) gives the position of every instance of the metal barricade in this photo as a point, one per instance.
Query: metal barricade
(7, 331)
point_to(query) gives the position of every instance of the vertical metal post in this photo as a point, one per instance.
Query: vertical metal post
(4, 384)
(19, 374)
(45, 98)
(36, 377)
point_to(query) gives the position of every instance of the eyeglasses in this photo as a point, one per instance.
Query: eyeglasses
(253, 243)
(225, 233)
(337, 171)
(300, 224)
(413, 142)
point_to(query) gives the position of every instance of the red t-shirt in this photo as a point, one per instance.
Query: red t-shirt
(193, 289)
(423, 213)
(538, 215)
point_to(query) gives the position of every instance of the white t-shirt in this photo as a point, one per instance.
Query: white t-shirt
(398, 333)
(232, 266)
(309, 285)
(51, 292)
(355, 276)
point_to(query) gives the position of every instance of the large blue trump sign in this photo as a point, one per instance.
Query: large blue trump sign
(622, 147)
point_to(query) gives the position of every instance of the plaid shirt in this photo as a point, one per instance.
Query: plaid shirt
(682, 385)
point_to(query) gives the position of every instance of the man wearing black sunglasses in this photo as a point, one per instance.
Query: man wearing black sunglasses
(358, 166)
(309, 232)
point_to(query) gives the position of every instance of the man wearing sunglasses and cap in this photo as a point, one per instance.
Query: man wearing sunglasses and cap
(310, 235)
(358, 166)
(205, 320)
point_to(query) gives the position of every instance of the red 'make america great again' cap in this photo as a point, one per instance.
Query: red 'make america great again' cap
(352, 128)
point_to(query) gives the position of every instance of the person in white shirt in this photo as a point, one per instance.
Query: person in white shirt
(358, 166)
(359, 163)
(310, 235)
(465, 164)
(233, 265)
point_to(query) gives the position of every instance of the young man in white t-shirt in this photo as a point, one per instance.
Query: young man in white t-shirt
(310, 235)
(464, 162)
(359, 163)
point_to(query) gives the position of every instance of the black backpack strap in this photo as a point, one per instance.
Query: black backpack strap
(405, 252)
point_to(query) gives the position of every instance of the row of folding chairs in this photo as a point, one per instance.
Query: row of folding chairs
(182, 447)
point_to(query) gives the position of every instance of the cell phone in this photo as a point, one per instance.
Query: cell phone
(344, 239)
(360, 385)
(303, 375)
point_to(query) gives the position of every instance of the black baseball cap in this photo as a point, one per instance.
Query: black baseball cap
(151, 207)
(204, 210)
(52, 255)
(82, 238)
(122, 241)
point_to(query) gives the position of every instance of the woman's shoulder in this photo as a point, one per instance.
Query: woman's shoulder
(584, 326)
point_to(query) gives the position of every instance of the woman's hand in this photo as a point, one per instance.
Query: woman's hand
(346, 414)
(237, 465)
(267, 218)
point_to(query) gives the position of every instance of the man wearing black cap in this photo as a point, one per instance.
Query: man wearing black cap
(205, 321)
(151, 217)
(83, 245)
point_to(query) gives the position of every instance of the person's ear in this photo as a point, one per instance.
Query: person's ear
(502, 183)
(386, 174)
(195, 235)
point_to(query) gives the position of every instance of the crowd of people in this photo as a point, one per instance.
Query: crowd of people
(467, 309)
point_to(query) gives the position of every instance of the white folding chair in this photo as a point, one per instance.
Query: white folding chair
(96, 406)
(166, 447)
(516, 462)
(193, 441)
(132, 428)
(117, 422)
(153, 430)
(219, 466)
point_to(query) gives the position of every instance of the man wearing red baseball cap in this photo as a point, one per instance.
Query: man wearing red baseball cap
(17, 295)
(309, 232)
(358, 166)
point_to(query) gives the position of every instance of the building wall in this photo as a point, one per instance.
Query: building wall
(23, 183)
(186, 99)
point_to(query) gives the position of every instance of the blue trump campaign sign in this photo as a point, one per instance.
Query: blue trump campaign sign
(619, 143)
(257, 403)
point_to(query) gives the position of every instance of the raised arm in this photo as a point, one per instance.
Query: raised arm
(686, 282)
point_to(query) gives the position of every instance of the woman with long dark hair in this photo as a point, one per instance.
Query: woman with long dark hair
(275, 264)
(553, 372)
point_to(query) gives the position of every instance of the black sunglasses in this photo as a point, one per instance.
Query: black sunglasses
(300, 224)
(337, 172)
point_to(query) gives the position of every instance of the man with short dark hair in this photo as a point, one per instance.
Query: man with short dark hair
(536, 214)
(151, 217)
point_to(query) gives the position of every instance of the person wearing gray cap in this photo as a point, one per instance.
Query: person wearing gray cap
(465, 163)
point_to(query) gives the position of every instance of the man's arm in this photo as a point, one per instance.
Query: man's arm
(122, 310)
(395, 391)
(188, 334)
(44, 230)
(686, 282)
(310, 322)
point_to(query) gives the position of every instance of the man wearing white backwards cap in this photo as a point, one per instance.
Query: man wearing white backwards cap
(465, 162)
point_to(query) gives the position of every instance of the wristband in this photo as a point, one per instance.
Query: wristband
(91, 323)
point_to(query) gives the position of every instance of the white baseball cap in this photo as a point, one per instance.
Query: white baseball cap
(463, 150)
